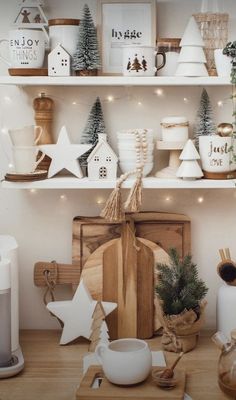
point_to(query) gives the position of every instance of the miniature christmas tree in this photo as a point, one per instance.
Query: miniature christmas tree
(136, 66)
(95, 125)
(86, 59)
(204, 122)
(179, 286)
(189, 168)
(192, 59)
(99, 328)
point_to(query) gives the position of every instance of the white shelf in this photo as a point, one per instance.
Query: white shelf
(112, 81)
(148, 183)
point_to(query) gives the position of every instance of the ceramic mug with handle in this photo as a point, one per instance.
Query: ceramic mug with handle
(26, 136)
(141, 61)
(125, 361)
(26, 48)
(24, 159)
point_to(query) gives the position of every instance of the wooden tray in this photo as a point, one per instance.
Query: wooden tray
(28, 71)
(147, 390)
(35, 176)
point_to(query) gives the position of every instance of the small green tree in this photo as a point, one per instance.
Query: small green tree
(94, 126)
(87, 54)
(179, 286)
(204, 122)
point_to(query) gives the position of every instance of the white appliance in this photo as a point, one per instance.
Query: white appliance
(9, 251)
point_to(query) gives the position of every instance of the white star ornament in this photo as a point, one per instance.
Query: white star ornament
(76, 314)
(64, 154)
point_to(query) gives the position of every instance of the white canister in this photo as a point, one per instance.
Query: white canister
(216, 153)
(65, 32)
(226, 302)
(174, 129)
(223, 63)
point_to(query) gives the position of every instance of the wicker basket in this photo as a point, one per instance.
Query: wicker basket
(214, 31)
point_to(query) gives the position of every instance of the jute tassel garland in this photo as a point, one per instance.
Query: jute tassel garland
(113, 210)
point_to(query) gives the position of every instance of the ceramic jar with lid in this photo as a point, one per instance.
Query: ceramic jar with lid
(174, 129)
(64, 31)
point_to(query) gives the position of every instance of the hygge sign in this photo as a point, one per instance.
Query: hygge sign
(26, 47)
(216, 153)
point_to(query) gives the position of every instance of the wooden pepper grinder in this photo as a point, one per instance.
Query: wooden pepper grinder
(44, 108)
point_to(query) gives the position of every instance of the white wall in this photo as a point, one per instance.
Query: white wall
(42, 222)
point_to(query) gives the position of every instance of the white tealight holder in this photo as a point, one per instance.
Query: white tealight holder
(175, 149)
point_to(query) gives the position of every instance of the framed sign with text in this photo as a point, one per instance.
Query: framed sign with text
(126, 23)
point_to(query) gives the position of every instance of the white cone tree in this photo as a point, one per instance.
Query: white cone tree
(189, 168)
(192, 57)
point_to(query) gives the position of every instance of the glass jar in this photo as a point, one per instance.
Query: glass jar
(227, 367)
(171, 47)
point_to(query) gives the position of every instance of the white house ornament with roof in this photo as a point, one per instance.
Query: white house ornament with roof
(102, 161)
(59, 62)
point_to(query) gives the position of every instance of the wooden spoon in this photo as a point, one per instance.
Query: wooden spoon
(168, 373)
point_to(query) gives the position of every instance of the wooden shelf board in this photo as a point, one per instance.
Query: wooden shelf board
(148, 183)
(112, 81)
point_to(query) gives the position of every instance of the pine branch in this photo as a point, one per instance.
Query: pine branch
(179, 286)
(204, 125)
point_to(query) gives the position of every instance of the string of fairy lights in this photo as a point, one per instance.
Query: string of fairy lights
(109, 99)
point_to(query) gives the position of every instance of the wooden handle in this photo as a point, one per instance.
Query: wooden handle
(62, 274)
(222, 254)
(227, 252)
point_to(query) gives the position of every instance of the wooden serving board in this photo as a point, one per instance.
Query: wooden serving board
(163, 229)
(148, 390)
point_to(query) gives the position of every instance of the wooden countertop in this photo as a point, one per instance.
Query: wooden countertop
(53, 372)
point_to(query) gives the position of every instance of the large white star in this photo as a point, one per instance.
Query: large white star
(64, 154)
(76, 314)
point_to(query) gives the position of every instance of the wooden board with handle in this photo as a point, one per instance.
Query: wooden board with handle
(147, 390)
(166, 230)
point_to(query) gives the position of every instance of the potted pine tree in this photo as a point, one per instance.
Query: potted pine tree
(180, 293)
(86, 60)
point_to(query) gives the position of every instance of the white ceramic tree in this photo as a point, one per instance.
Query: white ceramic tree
(192, 57)
(189, 168)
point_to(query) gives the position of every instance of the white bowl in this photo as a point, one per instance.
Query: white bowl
(133, 159)
(127, 166)
(127, 134)
(131, 147)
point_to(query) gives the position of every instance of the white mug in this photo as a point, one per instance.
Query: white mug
(24, 159)
(125, 361)
(26, 136)
(141, 61)
(216, 153)
(223, 63)
(26, 48)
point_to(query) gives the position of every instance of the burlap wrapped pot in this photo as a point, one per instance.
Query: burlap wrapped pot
(180, 332)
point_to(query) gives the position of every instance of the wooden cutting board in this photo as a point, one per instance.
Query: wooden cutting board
(147, 390)
(128, 280)
(164, 229)
(103, 285)
(98, 254)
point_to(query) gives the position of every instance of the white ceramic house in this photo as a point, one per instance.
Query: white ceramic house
(59, 62)
(102, 161)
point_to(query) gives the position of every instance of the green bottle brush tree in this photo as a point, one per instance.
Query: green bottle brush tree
(180, 293)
